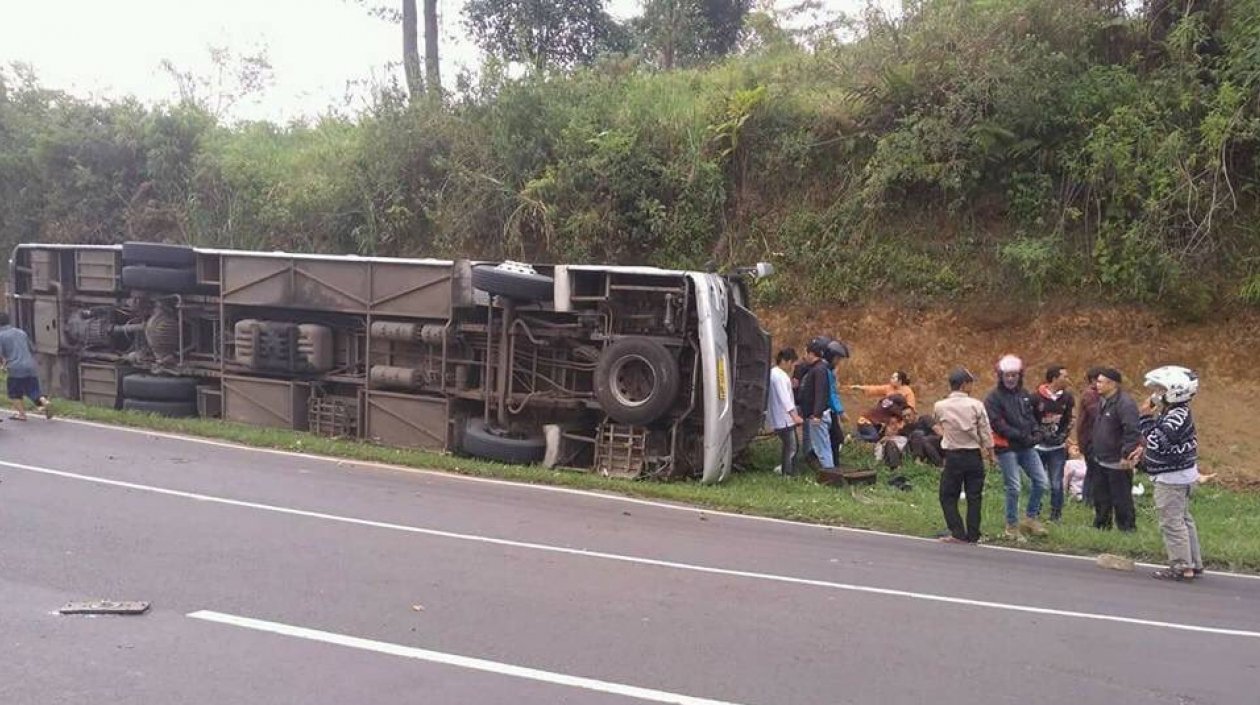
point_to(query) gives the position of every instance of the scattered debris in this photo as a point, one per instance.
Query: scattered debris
(1114, 562)
(104, 607)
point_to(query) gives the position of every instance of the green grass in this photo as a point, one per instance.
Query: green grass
(1228, 521)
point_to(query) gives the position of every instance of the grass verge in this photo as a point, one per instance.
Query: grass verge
(1228, 520)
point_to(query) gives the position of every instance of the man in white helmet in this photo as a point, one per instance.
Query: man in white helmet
(1016, 432)
(1169, 453)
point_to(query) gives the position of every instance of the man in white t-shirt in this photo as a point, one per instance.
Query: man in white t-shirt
(781, 413)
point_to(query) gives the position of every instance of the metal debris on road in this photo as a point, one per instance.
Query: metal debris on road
(1114, 562)
(104, 607)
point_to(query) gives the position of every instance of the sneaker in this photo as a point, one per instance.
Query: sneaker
(1012, 532)
(951, 539)
(1032, 526)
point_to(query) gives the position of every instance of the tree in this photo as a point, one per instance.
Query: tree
(682, 31)
(432, 71)
(673, 30)
(235, 78)
(408, 18)
(725, 20)
(541, 33)
(411, 50)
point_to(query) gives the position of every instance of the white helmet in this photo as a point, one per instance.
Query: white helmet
(1010, 363)
(1180, 383)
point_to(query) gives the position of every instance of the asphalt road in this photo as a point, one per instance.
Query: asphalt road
(277, 578)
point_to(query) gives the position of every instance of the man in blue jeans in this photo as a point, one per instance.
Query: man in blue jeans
(1055, 407)
(814, 402)
(1013, 418)
(23, 382)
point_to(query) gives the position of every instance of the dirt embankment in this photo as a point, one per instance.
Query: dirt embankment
(928, 342)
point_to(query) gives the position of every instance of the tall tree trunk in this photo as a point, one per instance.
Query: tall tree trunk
(432, 73)
(411, 50)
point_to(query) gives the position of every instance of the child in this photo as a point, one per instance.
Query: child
(1074, 473)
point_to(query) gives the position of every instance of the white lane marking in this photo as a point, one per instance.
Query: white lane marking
(636, 560)
(476, 664)
(455, 476)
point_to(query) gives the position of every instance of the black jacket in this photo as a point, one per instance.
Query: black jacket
(1116, 431)
(814, 397)
(1171, 441)
(1013, 418)
(1054, 414)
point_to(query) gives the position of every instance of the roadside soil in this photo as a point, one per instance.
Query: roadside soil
(928, 342)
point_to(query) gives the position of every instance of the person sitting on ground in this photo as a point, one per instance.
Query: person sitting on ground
(890, 450)
(925, 442)
(871, 424)
(1074, 471)
(898, 383)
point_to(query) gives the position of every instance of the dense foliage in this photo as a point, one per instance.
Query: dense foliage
(965, 148)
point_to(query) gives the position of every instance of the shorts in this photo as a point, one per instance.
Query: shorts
(25, 387)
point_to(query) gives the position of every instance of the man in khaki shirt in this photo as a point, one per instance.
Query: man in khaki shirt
(967, 440)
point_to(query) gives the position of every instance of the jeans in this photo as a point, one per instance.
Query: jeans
(1011, 461)
(819, 431)
(1181, 536)
(787, 437)
(1092, 473)
(963, 468)
(1053, 461)
(1113, 493)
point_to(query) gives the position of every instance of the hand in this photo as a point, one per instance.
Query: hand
(1136, 456)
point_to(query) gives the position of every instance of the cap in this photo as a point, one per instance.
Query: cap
(1112, 374)
(960, 376)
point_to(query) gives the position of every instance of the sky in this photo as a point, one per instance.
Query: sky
(324, 53)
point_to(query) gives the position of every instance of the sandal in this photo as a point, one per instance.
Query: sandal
(1170, 574)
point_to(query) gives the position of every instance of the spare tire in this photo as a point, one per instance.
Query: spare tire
(483, 442)
(162, 279)
(523, 286)
(158, 388)
(179, 409)
(157, 254)
(636, 380)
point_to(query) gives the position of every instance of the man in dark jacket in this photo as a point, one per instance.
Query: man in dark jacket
(1013, 418)
(814, 402)
(1115, 437)
(1055, 407)
(1090, 401)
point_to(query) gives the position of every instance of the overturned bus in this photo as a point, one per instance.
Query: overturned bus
(626, 371)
